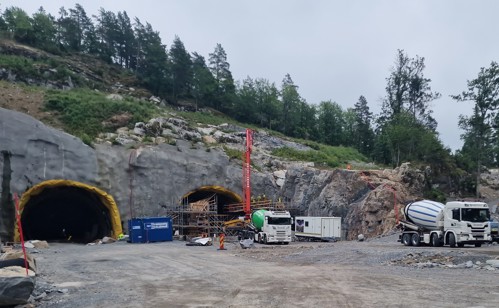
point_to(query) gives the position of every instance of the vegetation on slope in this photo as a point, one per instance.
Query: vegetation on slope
(86, 113)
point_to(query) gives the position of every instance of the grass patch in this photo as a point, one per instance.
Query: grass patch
(325, 156)
(20, 65)
(49, 69)
(232, 153)
(83, 111)
(204, 118)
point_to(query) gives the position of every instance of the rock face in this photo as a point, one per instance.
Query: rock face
(161, 175)
(39, 152)
(367, 201)
(33, 153)
(145, 180)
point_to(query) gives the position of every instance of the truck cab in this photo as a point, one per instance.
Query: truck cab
(276, 228)
(466, 223)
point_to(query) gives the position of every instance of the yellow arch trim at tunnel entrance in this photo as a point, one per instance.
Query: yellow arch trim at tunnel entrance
(106, 199)
(216, 189)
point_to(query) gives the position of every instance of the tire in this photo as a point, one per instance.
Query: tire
(406, 239)
(435, 240)
(478, 245)
(265, 239)
(415, 240)
(452, 240)
(260, 239)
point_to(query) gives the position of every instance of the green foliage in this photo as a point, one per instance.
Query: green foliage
(326, 156)
(233, 154)
(84, 111)
(436, 195)
(21, 65)
(205, 118)
(405, 132)
(85, 138)
(481, 142)
(181, 67)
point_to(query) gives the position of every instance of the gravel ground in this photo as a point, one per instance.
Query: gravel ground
(375, 273)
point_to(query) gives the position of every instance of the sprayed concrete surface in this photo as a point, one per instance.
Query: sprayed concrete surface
(342, 274)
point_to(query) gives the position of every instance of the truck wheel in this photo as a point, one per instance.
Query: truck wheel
(406, 239)
(478, 245)
(265, 239)
(452, 240)
(415, 239)
(260, 239)
(435, 241)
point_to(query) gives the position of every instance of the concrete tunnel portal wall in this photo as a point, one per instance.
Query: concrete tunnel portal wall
(62, 210)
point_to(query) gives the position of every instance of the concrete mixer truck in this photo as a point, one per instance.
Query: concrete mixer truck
(270, 227)
(455, 224)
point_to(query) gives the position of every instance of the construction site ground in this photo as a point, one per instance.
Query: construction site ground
(375, 273)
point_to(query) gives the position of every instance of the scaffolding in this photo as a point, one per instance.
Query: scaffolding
(199, 218)
(202, 218)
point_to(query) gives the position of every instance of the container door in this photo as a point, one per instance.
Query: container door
(135, 231)
(336, 227)
(326, 227)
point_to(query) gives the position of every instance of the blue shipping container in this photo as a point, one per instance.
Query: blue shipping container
(135, 231)
(157, 229)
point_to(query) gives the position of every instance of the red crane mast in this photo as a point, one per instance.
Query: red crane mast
(247, 174)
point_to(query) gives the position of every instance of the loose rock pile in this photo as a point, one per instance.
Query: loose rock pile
(425, 260)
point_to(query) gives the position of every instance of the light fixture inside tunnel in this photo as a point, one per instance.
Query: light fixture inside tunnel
(60, 210)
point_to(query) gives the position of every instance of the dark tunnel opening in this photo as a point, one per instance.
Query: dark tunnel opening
(222, 199)
(65, 213)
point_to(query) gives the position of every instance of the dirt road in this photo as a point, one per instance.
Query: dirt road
(343, 274)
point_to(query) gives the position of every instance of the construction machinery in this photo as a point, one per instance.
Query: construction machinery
(455, 224)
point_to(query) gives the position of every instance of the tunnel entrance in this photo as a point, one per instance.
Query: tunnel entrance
(68, 211)
(206, 210)
(220, 196)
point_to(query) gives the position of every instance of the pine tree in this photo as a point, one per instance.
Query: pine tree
(107, 35)
(220, 68)
(481, 128)
(331, 123)
(291, 101)
(152, 60)
(203, 83)
(181, 69)
(44, 31)
(363, 137)
(125, 39)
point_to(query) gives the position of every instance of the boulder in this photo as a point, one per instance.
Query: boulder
(15, 290)
(19, 255)
(40, 244)
(493, 263)
(209, 140)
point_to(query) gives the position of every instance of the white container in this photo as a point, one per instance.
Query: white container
(318, 227)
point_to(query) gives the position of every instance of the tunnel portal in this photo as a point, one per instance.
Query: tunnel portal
(207, 210)
(68, 213)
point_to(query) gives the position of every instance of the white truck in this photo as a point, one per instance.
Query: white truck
(271, 226)
(318, 228)
(455, 224)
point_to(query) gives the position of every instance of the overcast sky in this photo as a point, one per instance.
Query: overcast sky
(333, 50)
